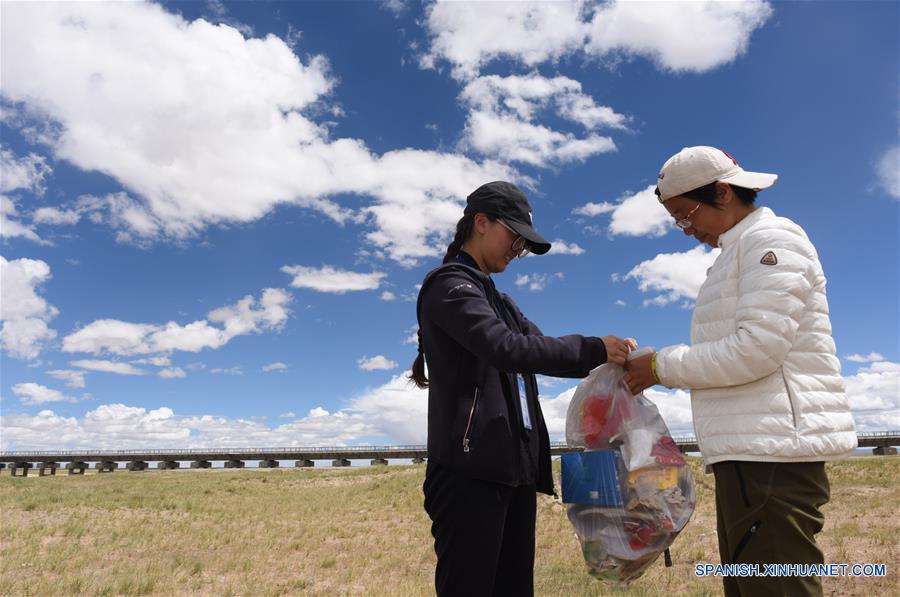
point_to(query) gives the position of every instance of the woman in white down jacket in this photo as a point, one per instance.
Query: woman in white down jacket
(767, 394)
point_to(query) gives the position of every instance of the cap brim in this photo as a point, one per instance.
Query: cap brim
(537, 244)
(751, 180)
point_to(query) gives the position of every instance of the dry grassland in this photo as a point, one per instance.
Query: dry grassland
(348, 532)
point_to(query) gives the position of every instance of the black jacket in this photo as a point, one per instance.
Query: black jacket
(474, 414)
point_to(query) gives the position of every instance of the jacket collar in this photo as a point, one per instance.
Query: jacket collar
(735, 232)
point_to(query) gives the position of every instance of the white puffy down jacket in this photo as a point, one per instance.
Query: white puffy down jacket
(765, 382)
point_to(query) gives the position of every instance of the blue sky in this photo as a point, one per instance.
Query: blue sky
(215, 215)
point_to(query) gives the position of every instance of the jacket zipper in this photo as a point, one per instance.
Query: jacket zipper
(790, 394)
(745, 539)
(465, 442)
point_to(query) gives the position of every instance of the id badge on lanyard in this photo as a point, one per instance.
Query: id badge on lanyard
(523, 401)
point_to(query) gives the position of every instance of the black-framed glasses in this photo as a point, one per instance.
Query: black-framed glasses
(519, 246)
(685, 222)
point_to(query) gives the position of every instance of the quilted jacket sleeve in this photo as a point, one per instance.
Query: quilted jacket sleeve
(770, 304)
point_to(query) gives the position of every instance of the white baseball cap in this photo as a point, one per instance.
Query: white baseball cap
(694, 167)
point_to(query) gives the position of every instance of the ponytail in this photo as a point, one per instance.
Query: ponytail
(463, 231)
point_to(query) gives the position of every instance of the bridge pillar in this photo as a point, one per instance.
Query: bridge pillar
(340, 462)
(201, 464)
(106, 466)
(305, 463)
(168, 464)
(234, 463)
(268, 463)
(884, 451)
(24, 466)
(136, 465)
(76, 468)
(418, 460)
(45, 466)
(379, 462)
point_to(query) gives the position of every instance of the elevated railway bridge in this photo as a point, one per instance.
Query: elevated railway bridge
(20, 462)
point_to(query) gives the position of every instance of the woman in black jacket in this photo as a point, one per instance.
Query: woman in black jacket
(488, 446)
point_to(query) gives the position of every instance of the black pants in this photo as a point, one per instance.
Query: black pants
(769, 513)
(483, 534)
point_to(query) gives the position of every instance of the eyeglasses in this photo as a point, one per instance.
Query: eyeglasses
(685, 222)
(519, 246)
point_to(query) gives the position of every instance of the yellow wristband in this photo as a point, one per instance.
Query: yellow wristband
(653, 368)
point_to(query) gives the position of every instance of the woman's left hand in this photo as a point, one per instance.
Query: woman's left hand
(638, 374)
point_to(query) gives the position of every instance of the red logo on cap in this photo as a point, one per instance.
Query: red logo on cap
(729, 157)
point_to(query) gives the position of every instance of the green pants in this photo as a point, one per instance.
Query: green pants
(768, 513)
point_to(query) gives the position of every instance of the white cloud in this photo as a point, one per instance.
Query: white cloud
(376, 363)
(13, 228)
(888, 170)
(387, 295)
(236, 370)
(247, 316)
(396, 411)
(288, 415)
(677, 36)
(23, 173)
(204, 127)
(561, 247)
(279, 366)
(161, 361)
(872, 357)
(55, 217)
(172, 373)
(32, 393)
(621, 303)
(639, 214)
(501, 118)
(73, 379)
(25, 314)
(537, 282)
(674, 275)
(108, 367)
(874, 394)
(329, 279)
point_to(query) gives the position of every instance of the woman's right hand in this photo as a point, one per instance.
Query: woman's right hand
(617, 349)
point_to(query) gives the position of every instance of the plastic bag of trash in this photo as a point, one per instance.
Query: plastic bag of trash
(629, 492)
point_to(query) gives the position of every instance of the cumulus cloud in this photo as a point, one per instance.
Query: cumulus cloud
(249, 315)
(203, 126)
(172, 373)
(55, 216)
(73, 379)
(888, 171)
(25, 173)
(376, 363)
(638, 214)
(387, 295)
(874, 394)
(278, 366)
(674, 276)
(872, 357)
(502, 112)
(677, 36)
(24, 313)
(11, 226)
(33, 393)
(537, 282)
(330, 279)
(108, 367)
(561, 247)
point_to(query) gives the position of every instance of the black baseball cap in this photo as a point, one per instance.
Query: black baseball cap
(504, 200)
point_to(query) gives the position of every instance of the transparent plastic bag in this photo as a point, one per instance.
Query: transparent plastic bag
(630, 492)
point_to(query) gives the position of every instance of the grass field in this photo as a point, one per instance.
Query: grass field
(358, 531)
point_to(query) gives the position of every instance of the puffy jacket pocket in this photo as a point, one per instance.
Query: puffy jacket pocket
(791, 401)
